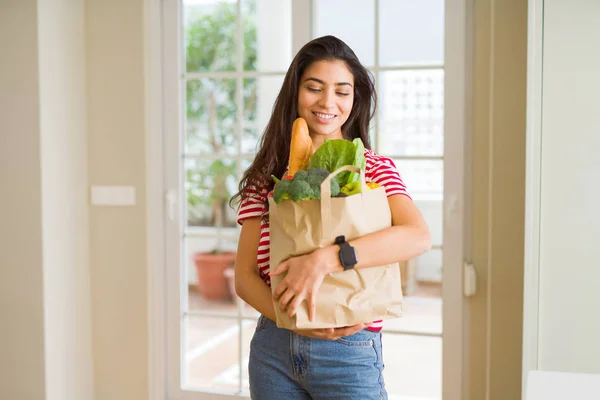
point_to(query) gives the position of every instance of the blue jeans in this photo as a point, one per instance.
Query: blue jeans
(284, 365)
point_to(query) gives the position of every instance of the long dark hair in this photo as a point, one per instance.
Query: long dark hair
(274, 148)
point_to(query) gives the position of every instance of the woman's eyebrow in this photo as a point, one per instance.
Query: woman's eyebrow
(322, 83)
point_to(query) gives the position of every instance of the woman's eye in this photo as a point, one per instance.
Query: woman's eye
(314, 89)
(343, 94)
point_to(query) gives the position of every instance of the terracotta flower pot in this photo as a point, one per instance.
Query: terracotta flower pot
(210, 270)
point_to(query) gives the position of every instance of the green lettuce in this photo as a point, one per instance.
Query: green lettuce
(359, 160)
(334, 154)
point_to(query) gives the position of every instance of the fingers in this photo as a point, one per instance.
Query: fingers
(292, 301)
(349, 330)
(312, 307)
(285, 298)
(331, 333)
(281, 288)
(326, 333)
(294, 305)
(281, 268)
(322, 333)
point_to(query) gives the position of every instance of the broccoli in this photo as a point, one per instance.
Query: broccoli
(300, 190)
(315, 179)
(300, 175)
(280, 192)
(319, 172)
(305, 185)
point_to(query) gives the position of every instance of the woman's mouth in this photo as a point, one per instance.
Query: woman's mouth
(323, 118)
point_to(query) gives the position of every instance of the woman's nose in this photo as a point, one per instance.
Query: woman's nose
(327, 99)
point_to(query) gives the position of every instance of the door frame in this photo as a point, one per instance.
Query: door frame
(457, 194)
(155, 252)
(458, 61)
(535, 60)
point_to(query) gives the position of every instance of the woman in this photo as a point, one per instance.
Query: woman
(328, 87)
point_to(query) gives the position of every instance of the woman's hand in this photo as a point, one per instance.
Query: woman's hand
(305, 275)
(331, 333)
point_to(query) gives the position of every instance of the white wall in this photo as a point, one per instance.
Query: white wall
(570, 222)
(21, 278)
(569, 172)
(72, 115)
(115, 80)
(63, 153)
(45, 340)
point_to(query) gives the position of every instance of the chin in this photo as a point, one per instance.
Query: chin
(328, 132)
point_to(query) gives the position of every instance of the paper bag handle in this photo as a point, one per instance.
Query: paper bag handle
(326, 195)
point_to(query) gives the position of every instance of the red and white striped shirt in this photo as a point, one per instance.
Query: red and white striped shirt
(381, 170)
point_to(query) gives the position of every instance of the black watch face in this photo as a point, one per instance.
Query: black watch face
(348, 256)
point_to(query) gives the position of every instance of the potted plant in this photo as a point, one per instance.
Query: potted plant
(211, 266)
(212, 177)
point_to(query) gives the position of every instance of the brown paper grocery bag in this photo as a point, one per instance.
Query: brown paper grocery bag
(345, 298)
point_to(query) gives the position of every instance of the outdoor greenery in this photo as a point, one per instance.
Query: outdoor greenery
(212, 115)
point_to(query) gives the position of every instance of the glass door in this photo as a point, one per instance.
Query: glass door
(224, 63)
(402, 43)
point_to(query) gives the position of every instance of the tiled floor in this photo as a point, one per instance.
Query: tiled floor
(413, 363)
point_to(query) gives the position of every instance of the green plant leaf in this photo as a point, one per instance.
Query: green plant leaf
(359, 159)
(332, 155)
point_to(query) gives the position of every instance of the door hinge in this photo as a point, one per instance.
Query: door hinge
(470, 280)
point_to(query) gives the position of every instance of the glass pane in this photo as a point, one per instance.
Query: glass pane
(209, 35)
(267, 34)
(424, 179)
(422, 302)
(411, 32)
(421, 308)
(429, 268)
(432, 209)
(259, 98)
(210, 252)
(413, 366)
(211, 116)
(209, 185)
(412, 112)
(211, 284)
(353, 21)
(212, 358)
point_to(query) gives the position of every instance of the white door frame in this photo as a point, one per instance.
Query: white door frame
(456, 194)
(532, 189)
(156, 296)
(457, 188)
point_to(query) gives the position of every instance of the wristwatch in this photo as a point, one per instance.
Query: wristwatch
(347, 253)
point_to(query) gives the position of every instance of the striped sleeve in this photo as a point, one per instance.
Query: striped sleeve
(253, 203)
(382, 170)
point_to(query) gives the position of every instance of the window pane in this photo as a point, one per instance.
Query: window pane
(413, 366)
(429, 268)
(411, 32)
(412, 112)
(211, 285)
(267, 34)
(209, 35)
(212, 353)
(353, 21)
(432, 209)
(421, 311)
(424, 179)
(211, 116)
(209, 185)
(259, 98)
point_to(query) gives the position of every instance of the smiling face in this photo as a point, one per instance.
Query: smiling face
(325, 99)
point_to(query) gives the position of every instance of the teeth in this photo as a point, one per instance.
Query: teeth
(325, 116)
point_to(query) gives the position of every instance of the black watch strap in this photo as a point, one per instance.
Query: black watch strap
(347, 253)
